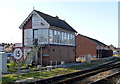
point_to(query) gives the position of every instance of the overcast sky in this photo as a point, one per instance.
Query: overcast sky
(96, 19)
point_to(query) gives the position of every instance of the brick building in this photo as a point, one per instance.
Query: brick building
(47, 38)
(86, 45)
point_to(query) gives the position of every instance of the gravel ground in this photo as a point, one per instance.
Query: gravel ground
(97, 77)
(73, 64)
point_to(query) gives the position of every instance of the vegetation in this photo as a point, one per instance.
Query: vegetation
(12, 66)
(117, 55)
(86, 65)
(36, 74)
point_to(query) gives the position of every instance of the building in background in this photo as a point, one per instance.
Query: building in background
(86, 45)
(1, 48)
(54, 37)
(114, 49)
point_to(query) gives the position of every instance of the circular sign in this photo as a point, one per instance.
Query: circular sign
(17, 53)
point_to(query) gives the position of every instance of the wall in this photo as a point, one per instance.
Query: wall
(84, 46)
(35, 22)
(28, 24)
(38, 22)
(1, 48)
(58, 53)
(62, 53)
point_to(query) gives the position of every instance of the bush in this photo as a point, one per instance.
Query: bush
(12, 66)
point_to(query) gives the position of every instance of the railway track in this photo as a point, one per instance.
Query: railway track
(87, 74)
(100, 81)
(78, 75)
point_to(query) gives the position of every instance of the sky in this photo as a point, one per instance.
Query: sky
(97, 19)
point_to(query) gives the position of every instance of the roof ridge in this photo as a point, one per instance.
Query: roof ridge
(47, 14)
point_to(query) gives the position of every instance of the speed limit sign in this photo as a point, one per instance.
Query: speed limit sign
(17, 53)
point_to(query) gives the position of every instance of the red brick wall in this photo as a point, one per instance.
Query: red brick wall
(28, 24)
(84, 46)
(62, 53)
(23, 37)
(58, 53)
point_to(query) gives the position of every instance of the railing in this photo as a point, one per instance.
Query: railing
(31, 55)
(30, 41)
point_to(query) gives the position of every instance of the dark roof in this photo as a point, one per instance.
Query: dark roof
(94, 40)
(55, 21)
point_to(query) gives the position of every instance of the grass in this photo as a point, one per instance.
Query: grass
(93, 63)
(36, 74)
(117, 55)
(12, 66)
(86, 65)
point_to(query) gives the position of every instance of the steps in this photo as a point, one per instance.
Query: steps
(31, 55)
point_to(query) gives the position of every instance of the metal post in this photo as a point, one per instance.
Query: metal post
(56, 64)
(36, 56)
(18, 70)
(41, 56)
(98, 53)
(50, 63)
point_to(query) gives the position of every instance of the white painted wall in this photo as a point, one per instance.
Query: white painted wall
(38, 22)
(0, 66)
(28, 37)
(4, 63)
(1, 48)
(119, 24)
(18, 44)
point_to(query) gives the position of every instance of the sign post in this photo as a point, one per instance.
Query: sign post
(18, 55)
(18, 69)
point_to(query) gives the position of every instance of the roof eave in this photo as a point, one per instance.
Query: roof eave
(21, 26)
